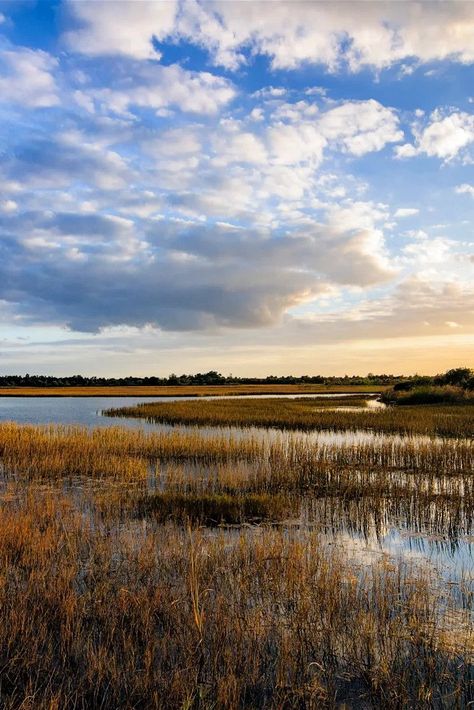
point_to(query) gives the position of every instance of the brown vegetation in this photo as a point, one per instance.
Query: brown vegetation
(112, 597)
(184, 390)
(307, 414)
(160, 617)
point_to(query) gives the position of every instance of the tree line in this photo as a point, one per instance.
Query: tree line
(461, 376)
(207, 378)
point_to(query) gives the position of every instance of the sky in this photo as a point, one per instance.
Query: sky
(252, 187)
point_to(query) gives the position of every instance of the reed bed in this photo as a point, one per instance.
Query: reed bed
(153, 616)
(308, 414)
(55, 451)
(61, 451)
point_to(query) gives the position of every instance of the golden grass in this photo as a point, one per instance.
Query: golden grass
(55, 451)
(184, 390)
(307, 414)
(163, 617)
(111, 598)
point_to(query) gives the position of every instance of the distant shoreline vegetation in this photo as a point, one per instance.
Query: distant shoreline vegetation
(402, 386)
(455, 386)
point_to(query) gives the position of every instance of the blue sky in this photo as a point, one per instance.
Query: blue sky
(253, 187)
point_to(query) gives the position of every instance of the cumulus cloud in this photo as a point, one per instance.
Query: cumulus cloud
(62, 161)
(290, 33)
(27, 77)
(153, 86)
(443, 137)
(361, 126)
(127, 28)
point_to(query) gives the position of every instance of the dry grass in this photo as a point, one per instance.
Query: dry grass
(184, 390)
(160, 617)
(306, 414)
(49, 452)
(111, 598)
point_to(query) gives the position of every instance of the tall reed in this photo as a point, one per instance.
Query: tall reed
(164, 617)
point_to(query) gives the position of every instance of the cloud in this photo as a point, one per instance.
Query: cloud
(361, 126)
(465, 189)
(356, 34)
(91, 271)
(27, 78)
(415, 308)
(150, 85)
(444, 137)
(62, 161)
(402, 212)
(128, 28)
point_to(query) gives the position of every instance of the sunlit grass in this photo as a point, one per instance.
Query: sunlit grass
(308, 414)
(183, 390)
(187, 570)
(161, 616)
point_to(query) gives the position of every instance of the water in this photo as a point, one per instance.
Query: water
(86, 411)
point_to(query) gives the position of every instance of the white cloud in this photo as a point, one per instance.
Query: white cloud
(290, 144)
(444, 137)
(125, 28)
(157, 87)
(242, 147)
(26, 77)
(406, 212)
(361, 126)
(8, 206)
(465, 189)
(290, 33)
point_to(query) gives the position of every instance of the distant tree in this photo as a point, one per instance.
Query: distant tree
(458, 376)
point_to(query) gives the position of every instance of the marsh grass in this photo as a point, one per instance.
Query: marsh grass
(163, 617)
(212, 509)
(308, 414)
(60, 452)
(120, 588)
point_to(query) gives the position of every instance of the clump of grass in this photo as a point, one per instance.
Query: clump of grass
(212, 508)
(307, 414)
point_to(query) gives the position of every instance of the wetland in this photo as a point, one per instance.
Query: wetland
(303, 552)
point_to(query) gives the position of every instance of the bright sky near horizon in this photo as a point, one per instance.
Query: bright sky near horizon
(252, 187)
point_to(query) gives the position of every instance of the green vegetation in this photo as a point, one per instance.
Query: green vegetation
(211, 378)
(454, 387)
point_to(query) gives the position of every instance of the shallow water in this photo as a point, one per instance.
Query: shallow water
(86, 411)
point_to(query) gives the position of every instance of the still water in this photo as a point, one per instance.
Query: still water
(86, 411)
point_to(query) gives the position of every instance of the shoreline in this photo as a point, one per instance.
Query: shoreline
(185, 391)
